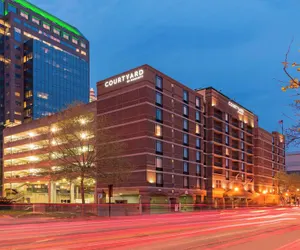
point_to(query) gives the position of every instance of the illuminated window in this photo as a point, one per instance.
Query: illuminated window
(24, 14)
(18, 94)
(198, 170)
(242, 125)
(226, 117)
(46, 26)
(197, 102)
(42, 95)
(218, 184)
(28, 94)
(227, 151)
(159, 178)
(227, 175)
(158, 130)
(198, 183)
(74, 40)
(56, 31)
(197, 129)
(66, 36)
(17, 113)
(35, 20)
(83, 45)
(227, 140)
(158, 162)
(83, 52)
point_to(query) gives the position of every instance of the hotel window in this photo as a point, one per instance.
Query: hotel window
(185, 167)
(83, 45)
(227, 140)
(242, 125)
(198, 183)
(159, 179)
(24, 14)
(218, 184)
(243, 166)
(242, 135)
(243, 177)
(46, 26)
(273, 149)
(198, 156)
(66, 36)
(35, 20)
(17, 94)
(226, 128)
(197, 116)
(272, 165)
(159, 115)
(198, 143)
(227, 151)
(185, 182)
(185, 153)
(158, 163)
(56, 31)
(158, 98)
(185, 96)
(197, 102)
(227, 175)
(185, 125)
(159, 147)
(198, 170)
(273, 140)
(197, 129)
(242, 145)
(185, 110)
(185, 139)
(158, 130)
(243, 157)
(226, 117)
(158, 82)
(227, 163)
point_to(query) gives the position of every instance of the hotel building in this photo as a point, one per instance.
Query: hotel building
(186, 146)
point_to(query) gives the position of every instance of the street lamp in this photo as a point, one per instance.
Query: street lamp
(264, 192)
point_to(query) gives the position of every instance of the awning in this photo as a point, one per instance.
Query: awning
(238, 194)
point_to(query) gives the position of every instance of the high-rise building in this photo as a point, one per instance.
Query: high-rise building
(92, 95)
(44, 64)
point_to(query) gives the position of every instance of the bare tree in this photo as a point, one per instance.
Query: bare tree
(83, 150)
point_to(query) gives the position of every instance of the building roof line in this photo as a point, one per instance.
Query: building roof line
(48, 16)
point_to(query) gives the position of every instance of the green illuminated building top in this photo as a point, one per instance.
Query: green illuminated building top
(48, 16)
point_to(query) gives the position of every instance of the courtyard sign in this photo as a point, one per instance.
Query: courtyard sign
(130, 77)
(239, 110)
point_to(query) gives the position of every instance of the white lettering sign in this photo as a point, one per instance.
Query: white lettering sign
(130, 77)
(239, 110)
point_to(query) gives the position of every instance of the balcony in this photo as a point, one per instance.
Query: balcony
(249, 130)
(218, 128)
(218, 171)
(250, 161)
(235, 156)
(235, 167)
(249, 151)
(235, 123)
(218, 115)
(218, 164)
(249, 140)
(218, 139)
(218, 152)
(236, 135)
(235, 145)
(250, 171)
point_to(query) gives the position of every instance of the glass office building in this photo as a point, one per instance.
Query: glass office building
(53, 79)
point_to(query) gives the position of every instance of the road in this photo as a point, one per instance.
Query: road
(261, 229)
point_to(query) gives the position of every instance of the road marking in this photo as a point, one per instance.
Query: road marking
(290, 245)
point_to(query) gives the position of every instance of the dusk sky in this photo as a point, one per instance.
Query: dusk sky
(235, 46)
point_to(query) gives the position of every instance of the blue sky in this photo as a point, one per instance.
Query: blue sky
(235, 46)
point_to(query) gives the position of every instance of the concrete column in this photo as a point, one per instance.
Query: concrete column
(72, 193)
(52, 192)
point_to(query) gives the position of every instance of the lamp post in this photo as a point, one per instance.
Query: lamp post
(264, 193)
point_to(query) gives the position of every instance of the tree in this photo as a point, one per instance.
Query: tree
(288, 183)
(83, 150)
(292, 133)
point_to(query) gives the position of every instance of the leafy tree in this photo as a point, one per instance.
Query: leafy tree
(288, 183)
(84, 150)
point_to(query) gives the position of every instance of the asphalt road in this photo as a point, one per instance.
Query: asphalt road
(258, 229)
